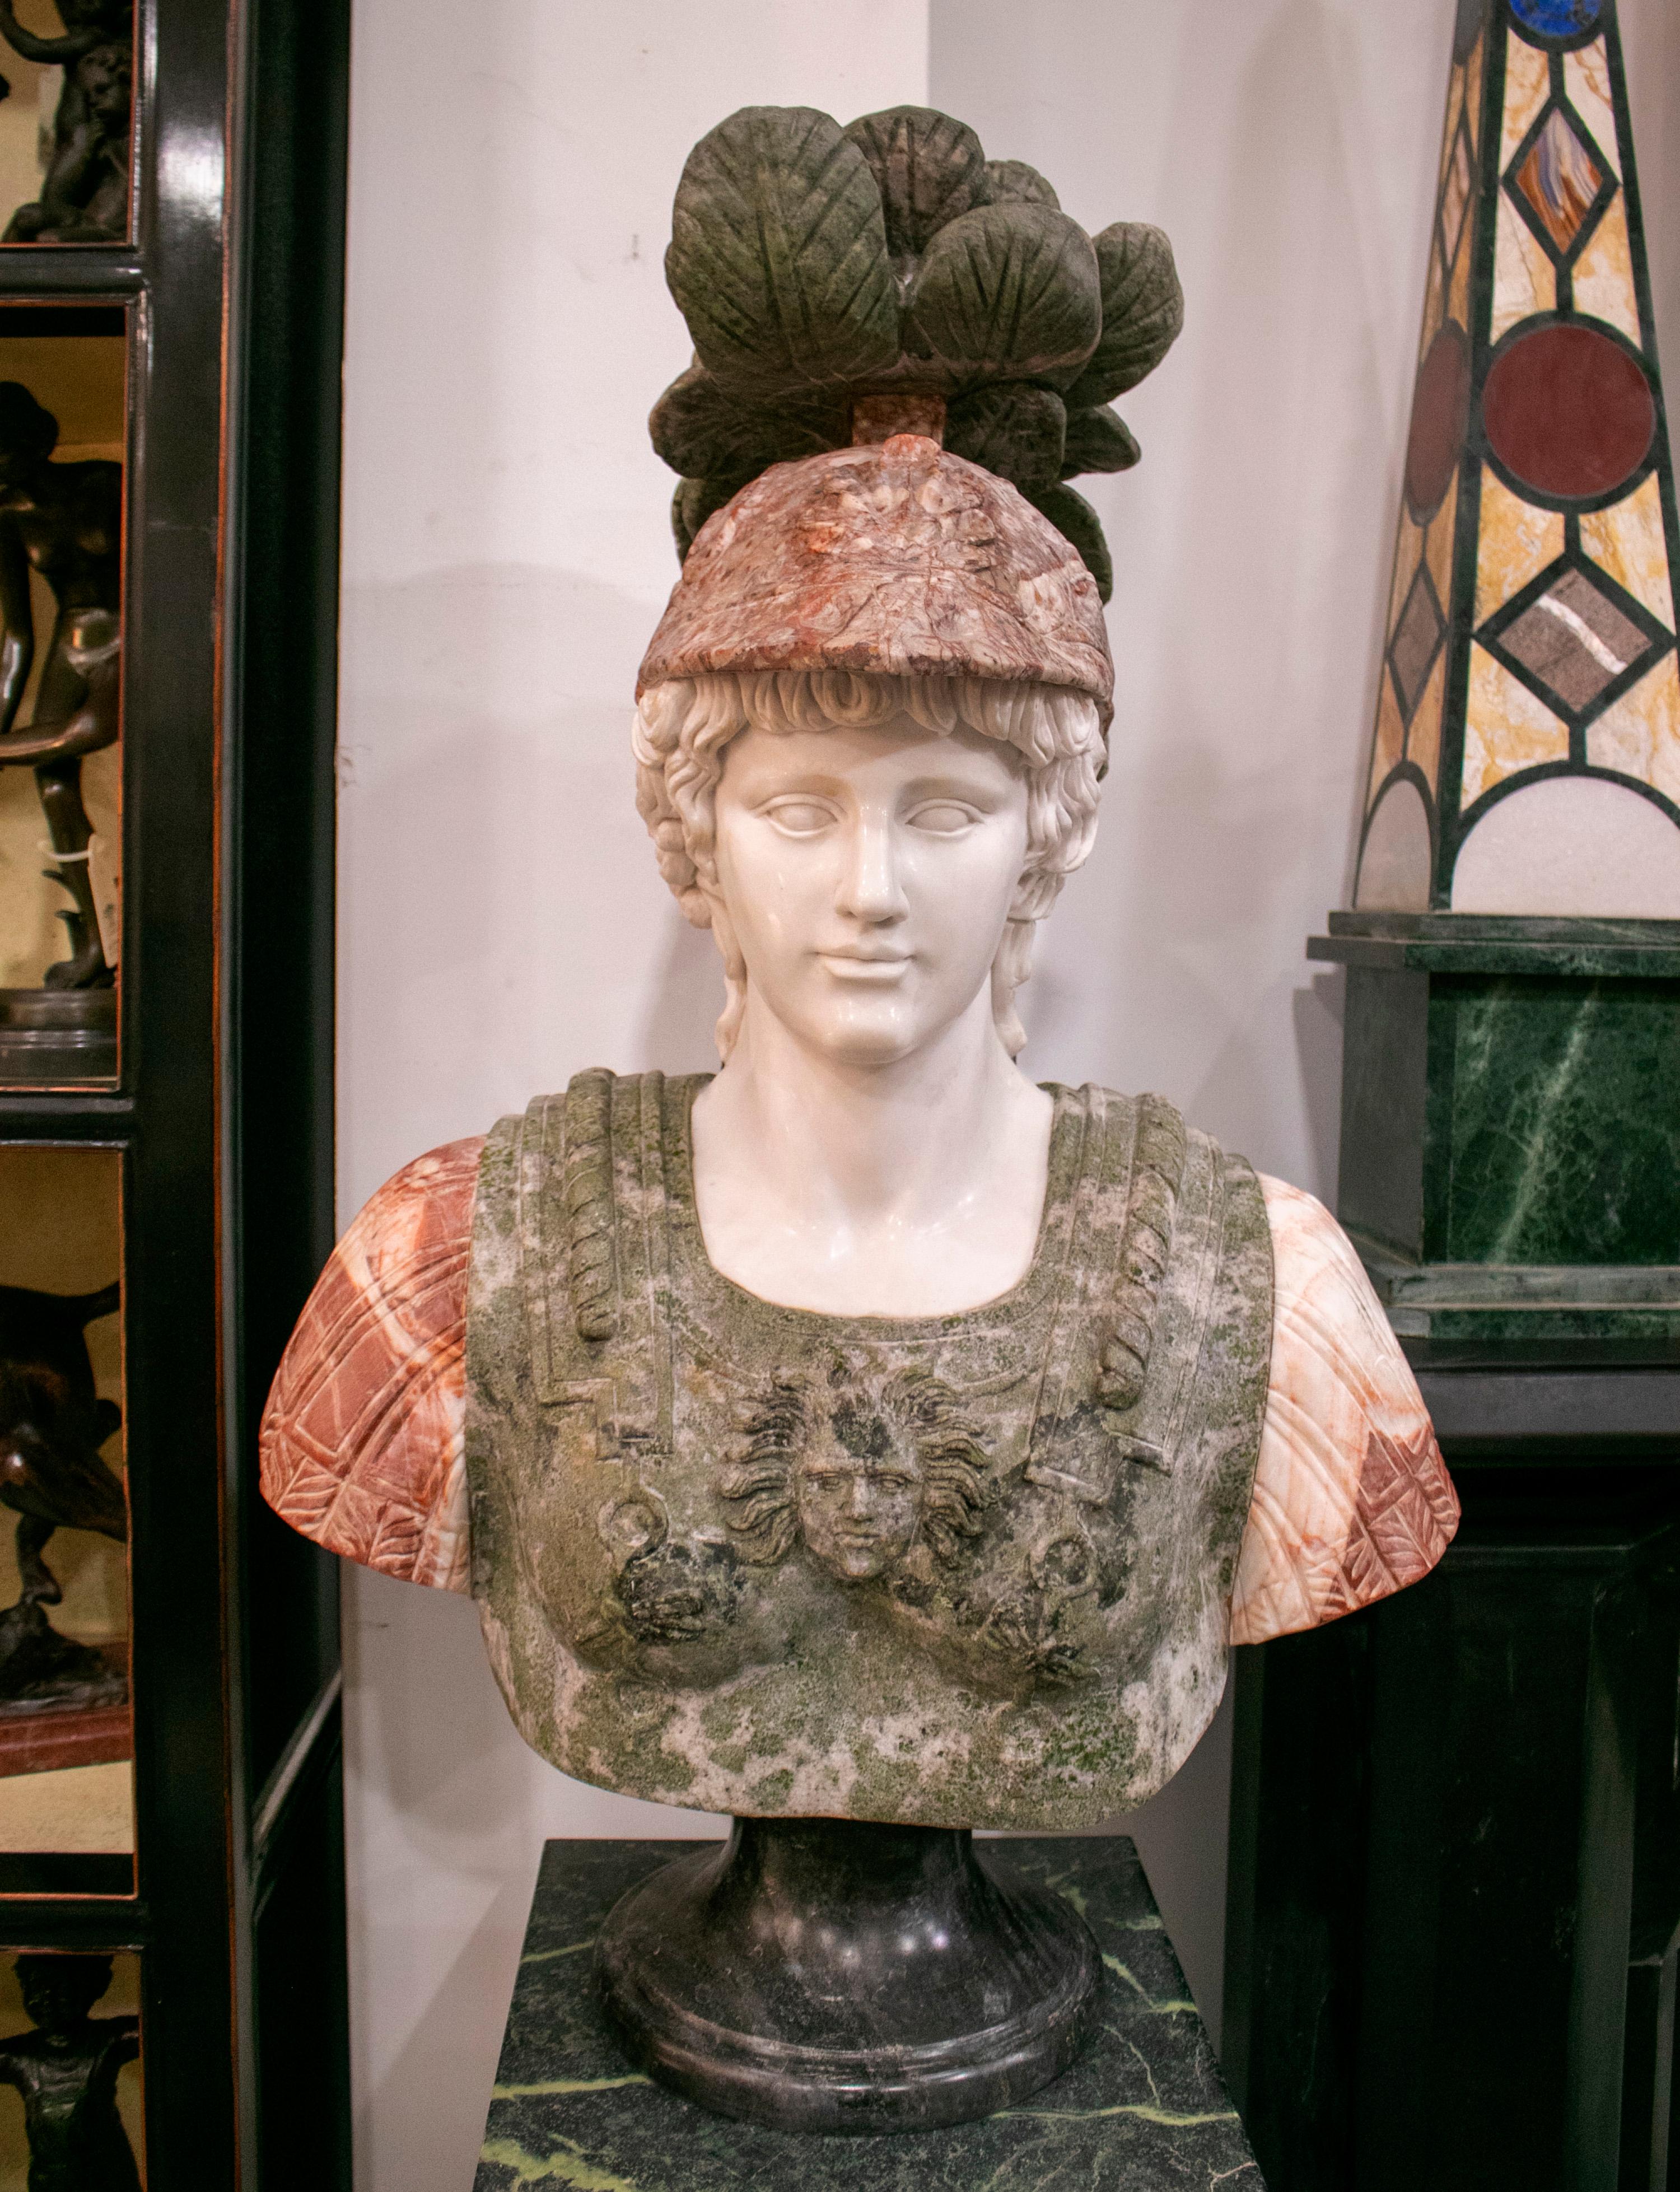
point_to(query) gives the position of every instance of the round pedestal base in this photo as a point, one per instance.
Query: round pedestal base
(830, 1975)
(58, 1034)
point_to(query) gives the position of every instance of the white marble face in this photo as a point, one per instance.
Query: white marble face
(867, 876)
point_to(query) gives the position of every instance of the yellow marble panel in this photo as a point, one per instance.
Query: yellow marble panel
(1640, 735)
(1438, 546)
(1390, 741)
(1458, 297)
(1455, 99)
(1627, 541)
(1603, 274)
(1406, 550)
(1523, 282)
(1423, 740)
(1587, 79)
(1515, 542)
(1472, 86)
(1507, 730)
(1528, 85)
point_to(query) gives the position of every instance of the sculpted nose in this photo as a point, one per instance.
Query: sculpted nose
(859, 1500)
(870, 888)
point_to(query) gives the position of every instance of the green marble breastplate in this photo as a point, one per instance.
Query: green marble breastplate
(969, 1570)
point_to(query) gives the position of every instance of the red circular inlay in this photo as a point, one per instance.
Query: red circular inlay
(1567, 412)
(1440, 414)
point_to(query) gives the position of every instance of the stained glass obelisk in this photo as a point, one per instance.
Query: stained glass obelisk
(1526, 755)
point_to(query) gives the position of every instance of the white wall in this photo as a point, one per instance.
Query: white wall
(506, 556)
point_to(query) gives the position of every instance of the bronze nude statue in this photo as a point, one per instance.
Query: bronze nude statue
(66, 522)
(66, 2071)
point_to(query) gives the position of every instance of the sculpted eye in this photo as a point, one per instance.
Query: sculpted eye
(943, 818)
(799, 817)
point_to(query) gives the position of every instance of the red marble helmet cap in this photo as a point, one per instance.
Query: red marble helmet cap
(892, 557)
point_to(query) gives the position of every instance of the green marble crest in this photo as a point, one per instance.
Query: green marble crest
(816, 265)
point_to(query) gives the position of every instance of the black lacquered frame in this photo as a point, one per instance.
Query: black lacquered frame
(223, 1110)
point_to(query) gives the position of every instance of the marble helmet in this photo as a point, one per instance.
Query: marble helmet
(897, 556)
(904, 351)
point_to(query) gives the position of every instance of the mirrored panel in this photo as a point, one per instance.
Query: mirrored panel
(71, 2113)
(64, 120)
(63, 407)
(67, 1796)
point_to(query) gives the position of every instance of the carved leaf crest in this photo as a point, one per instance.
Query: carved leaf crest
(1015, 429)
(1142, 311)
(930, 169)
(778, 253)
(1007, 292)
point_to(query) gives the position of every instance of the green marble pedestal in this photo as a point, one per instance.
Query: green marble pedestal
(1144, 2110)
(1511, 1123)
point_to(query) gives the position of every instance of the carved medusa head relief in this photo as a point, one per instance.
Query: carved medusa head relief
(863, 1469)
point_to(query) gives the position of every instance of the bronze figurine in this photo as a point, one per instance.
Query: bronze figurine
(66, 2071)
(84, 193)
(64, 520)
(51, 1425)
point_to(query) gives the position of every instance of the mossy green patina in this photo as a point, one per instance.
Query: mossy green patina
(962, 1570)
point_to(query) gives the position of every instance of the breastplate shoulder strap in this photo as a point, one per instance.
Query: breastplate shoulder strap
(595, 1233)
(1084, 1285)
(1159, 1153)
(1127, 1220)
(585, 1161)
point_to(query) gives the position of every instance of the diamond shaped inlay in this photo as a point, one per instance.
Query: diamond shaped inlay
(1417, 639)
(1455, 196)
(1575, 641)
(1560, 179)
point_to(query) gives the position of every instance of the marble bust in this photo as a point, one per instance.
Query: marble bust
(863, 1440)
(865, 1431)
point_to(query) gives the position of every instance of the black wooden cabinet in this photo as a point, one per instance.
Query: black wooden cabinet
(1454, 1899)
(217, 1116)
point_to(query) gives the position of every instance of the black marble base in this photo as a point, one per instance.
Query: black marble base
(1142, 2110)
(838, 1975)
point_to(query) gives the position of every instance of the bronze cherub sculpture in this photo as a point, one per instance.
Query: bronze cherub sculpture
(84, 193)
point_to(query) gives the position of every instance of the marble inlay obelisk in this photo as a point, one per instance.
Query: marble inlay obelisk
(1526, 753)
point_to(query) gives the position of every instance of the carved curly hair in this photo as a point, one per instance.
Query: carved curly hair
(683, 726)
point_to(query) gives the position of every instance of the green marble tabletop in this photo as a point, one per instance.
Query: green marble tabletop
(1144, 2110)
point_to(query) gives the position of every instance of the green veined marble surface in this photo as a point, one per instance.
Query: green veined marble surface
(1144, 2110)
(1556, 1104)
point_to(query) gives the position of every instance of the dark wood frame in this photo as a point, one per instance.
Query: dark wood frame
(223, 1111)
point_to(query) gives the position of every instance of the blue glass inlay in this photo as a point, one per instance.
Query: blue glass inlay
(1556, 19)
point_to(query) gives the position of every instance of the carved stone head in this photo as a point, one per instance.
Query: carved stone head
(862, 1469)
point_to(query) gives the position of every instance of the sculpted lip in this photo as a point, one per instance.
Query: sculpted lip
(865, 966)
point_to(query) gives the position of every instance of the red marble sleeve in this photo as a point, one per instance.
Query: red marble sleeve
(362, 1440)
(1352, 1499)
